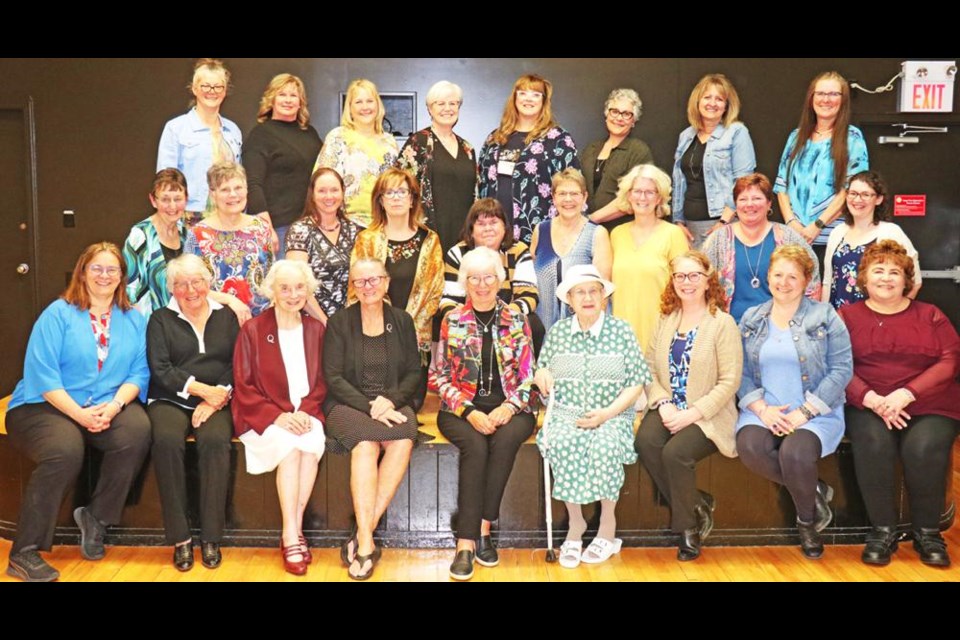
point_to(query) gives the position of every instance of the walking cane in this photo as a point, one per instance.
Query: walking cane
(548, 505)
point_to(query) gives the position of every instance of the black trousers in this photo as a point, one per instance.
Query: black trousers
(924, 449)
(788, 460)
(485, 466)
(171, 425)
(672, 463)
(56, 444)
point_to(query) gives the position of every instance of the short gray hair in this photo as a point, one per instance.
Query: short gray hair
(279, 267)
(480, 259)
(625, 94)
(442, 87)
(187, 264)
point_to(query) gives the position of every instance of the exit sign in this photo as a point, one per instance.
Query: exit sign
(927, 87)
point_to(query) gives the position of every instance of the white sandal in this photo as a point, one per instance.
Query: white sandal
(570, 554)
(600, 550)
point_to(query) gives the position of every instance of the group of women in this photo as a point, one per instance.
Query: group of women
(318, 323)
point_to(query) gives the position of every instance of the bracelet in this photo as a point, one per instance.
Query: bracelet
(794, 219)
(657, 405)
(809, 415)
(118, 403)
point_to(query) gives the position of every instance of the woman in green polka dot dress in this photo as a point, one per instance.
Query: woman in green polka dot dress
(593, 364)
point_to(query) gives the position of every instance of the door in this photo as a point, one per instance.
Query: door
(18, 215)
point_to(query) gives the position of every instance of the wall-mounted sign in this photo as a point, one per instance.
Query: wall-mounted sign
(913, 205)
(927, 87)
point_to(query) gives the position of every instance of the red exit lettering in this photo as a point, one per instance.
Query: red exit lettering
(928, 96)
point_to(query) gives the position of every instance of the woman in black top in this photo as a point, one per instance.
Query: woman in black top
(371, 364)
(190, 351)
(279, 155)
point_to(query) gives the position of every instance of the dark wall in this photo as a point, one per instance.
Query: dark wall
(99, 120)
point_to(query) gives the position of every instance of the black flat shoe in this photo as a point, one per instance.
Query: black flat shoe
(932, 547)
(487, 555)
(92, 532)
(824, 514)
(689, 548)
(183, 556)
(881, 543)
(462, 567)
(810, 542)
(704, 513)
(210, 554)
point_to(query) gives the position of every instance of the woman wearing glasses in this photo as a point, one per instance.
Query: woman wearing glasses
(604, 162)
(398, 238)
(741, 251)
(201, 137)
(520, 157)
(371, 364)
(820, 155)
(484, 373)
(444, 163)
(712, 152)
(642, 250)
(864, 224)
(697, 359)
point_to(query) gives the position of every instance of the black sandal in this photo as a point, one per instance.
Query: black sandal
(345, 547)
(372, 557)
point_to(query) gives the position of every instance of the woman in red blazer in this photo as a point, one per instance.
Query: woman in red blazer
(278, 398)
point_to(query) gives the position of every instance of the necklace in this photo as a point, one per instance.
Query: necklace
(755, 280)
(484, 391)
(693, 152)
(330, 229)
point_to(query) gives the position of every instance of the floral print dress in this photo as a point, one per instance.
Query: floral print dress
(846, 265)
(359, 160)
(590, 369)
(329, 261)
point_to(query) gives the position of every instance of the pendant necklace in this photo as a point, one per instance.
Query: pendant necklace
(484, 391)
(755, 280)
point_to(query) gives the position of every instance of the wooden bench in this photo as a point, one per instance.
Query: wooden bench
(751, 510)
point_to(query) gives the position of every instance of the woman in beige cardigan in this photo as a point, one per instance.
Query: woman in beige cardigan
(696, 358)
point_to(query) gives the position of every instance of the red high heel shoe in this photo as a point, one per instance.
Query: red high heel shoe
(307, 556)
(297, 568)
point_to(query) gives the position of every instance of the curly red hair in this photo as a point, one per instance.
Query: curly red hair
(715, 295)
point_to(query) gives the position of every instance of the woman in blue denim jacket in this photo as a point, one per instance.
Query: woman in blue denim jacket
(712, 152)
(796, 366)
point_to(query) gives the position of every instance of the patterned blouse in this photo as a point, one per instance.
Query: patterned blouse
(416, 157)
(680, 366)
(538, 162)
(238, 259)
(845, 265)
(359, 159)
(457, 366)
(147, 267)
(330, 262)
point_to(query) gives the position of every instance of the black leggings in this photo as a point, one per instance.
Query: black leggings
(923, 447)
(787, 460)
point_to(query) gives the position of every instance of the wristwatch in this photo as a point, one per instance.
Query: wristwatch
(818, 223)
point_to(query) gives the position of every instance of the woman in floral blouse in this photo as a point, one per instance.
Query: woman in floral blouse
(520, 157)
(323, 238)
(484, 372)
(447, 172)
(359, 149)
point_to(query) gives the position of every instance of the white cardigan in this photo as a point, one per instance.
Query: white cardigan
(882, 231)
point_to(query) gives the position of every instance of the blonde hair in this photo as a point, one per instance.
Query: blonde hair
(223, 171)
(568, 175)
(355, 87)
(797, 255)
(508, 123)
(270, 95)
(650, 172)
(214, 66)
(707, 82)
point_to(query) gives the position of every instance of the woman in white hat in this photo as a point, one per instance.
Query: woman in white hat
(593, 364)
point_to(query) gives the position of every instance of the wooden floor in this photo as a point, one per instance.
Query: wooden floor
(721, 564)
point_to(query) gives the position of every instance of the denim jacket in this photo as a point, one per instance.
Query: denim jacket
(729, 155)
(823, 348)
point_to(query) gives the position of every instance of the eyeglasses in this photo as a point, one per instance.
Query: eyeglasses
(616, 114)
(213, 88)
(443, 104)
(692, 277)
(590, 292)
(560, 195)
(396, 194)
(372, 281)
(169, 200)
(487, 279)
(643, 194)
(860, 195)
(530, 94)
(827, 94)
(99, 270)
(185, 285)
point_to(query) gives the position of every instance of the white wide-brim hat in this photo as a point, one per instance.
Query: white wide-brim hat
(580, 274)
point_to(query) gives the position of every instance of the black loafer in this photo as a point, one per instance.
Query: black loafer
(824, 514)
(92, 532)
(881, 543)
(462, 567)
(689, 548)
(810, 542)
(704, 513)
(486, 553)
(183, 556)
(210, 554)
(27, 565)
(932, 547)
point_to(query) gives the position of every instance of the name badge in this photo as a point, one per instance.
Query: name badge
(505, 167)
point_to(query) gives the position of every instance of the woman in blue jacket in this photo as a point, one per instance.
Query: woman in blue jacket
(86, 365)
(796, 366)
(712, 153)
